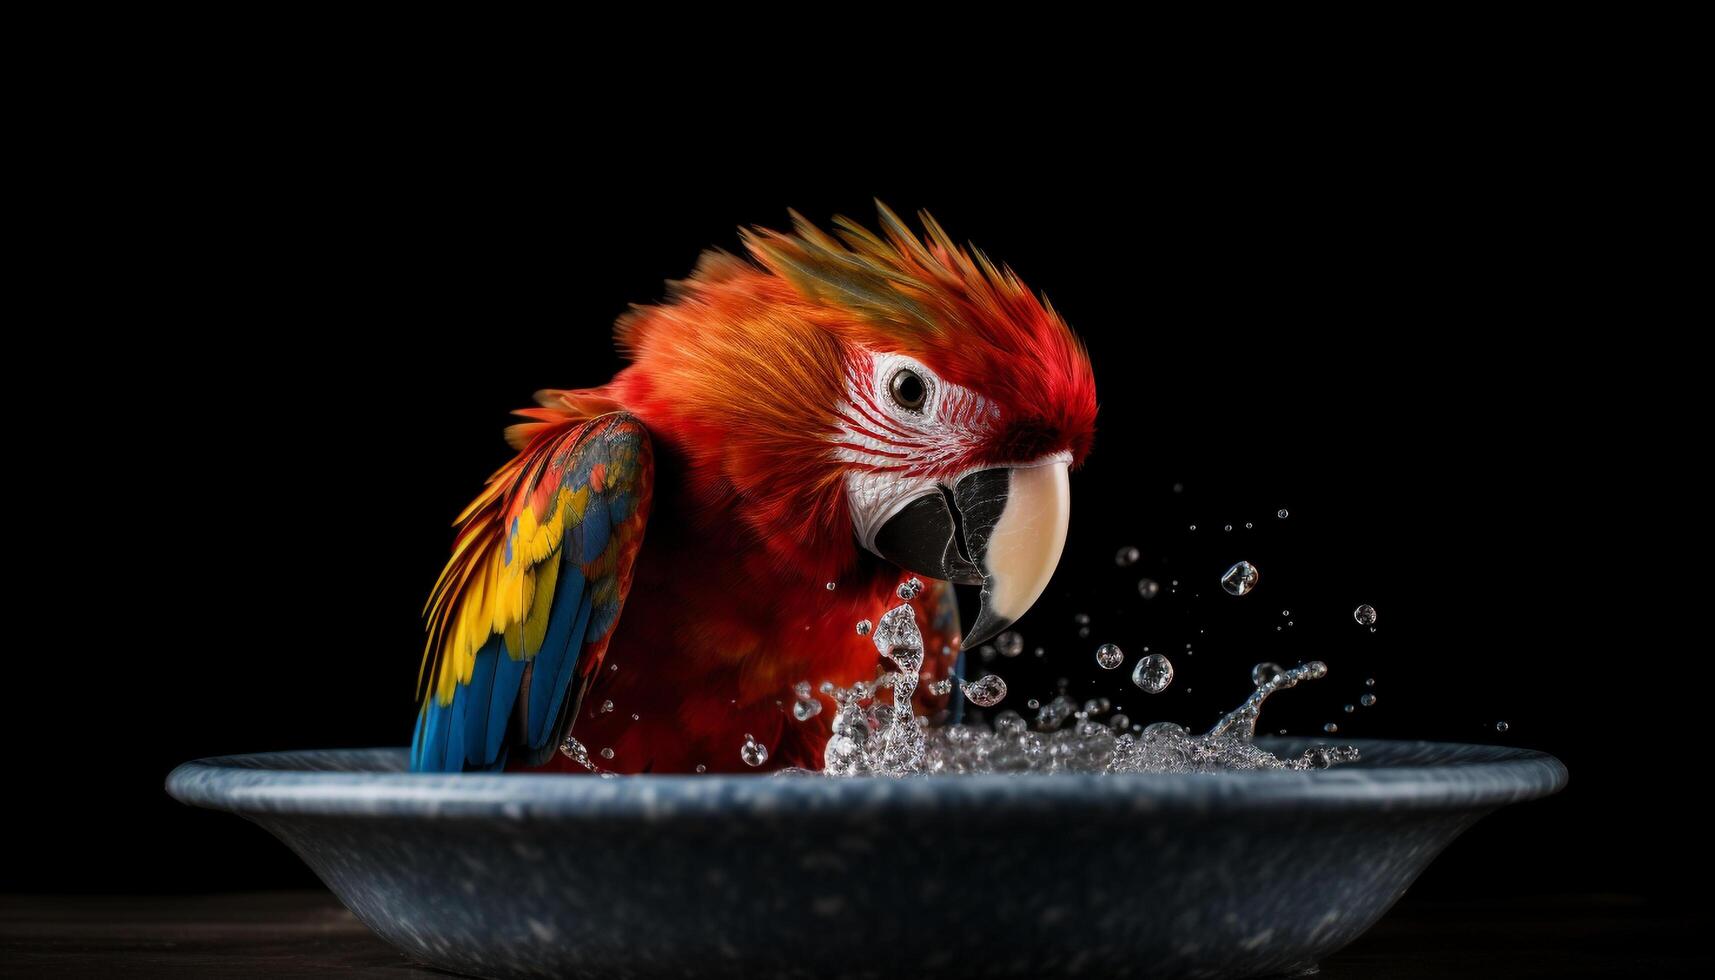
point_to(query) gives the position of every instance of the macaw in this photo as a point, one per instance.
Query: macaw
(802, 430)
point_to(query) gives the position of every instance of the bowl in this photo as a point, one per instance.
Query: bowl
(1233, 874)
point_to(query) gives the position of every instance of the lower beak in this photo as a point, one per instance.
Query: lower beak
(1002, 529)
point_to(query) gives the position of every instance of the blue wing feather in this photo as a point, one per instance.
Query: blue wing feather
(434, 742)
(417, 743)
(458, 730)
(559, 650)
(476, 698)
(508, 678)
(563, 677)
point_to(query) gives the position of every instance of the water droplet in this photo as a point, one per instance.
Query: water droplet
(607, 753)
(1370, 682)
(986, 691)
(1097, 706)
(1249, 525)
(1041, 652)
(1119, 723)
(1153, 673)
(1178, 488)
(1501, 726)
(941, 687)
(986, 652)
(1161, 728)
(801, 689)
(1241, 578)
(1266, 671)
(635, 716)
(1127, 556)
(1193, 527)
(1367, 700)
(614, 667)
(830, 586)
(1010, 643)
(1082, 619)
(1033, 703)
(1229, 527)
(1109, 656)
(702, 768)
(1331, 728)
(1055, 713)
(1286, 612)
(1365, 615)
(1148, 588)
(806, 709)
(1351, 708)
(1083, 632)
(606, 706)
(864, 626)
(573, 749)
(1281, 513)
(908, 590)
(753, 753)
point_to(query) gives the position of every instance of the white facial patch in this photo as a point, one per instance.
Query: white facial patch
(896, 454)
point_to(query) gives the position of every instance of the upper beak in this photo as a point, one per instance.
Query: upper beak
(1001, 528)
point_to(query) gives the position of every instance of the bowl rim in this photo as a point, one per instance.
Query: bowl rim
(311, 783)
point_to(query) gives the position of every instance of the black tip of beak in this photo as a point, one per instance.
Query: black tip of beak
(987, 627)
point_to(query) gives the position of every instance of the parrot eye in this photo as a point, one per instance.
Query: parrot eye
(907, 389)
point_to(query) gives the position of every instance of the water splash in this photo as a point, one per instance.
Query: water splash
(1063, 738)
(875, 731)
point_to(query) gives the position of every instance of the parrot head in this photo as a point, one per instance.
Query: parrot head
(886, 392)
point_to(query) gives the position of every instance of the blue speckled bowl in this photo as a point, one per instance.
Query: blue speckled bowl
(1227, 875)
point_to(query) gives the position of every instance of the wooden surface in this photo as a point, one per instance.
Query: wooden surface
(309, 934)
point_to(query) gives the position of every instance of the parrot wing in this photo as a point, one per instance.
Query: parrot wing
(523, 611)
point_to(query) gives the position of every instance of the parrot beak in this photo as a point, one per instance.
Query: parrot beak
(1002, 529)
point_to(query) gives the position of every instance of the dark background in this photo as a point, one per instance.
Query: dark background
(1413, 328)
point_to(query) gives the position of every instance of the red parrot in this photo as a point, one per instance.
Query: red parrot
(800, 431)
